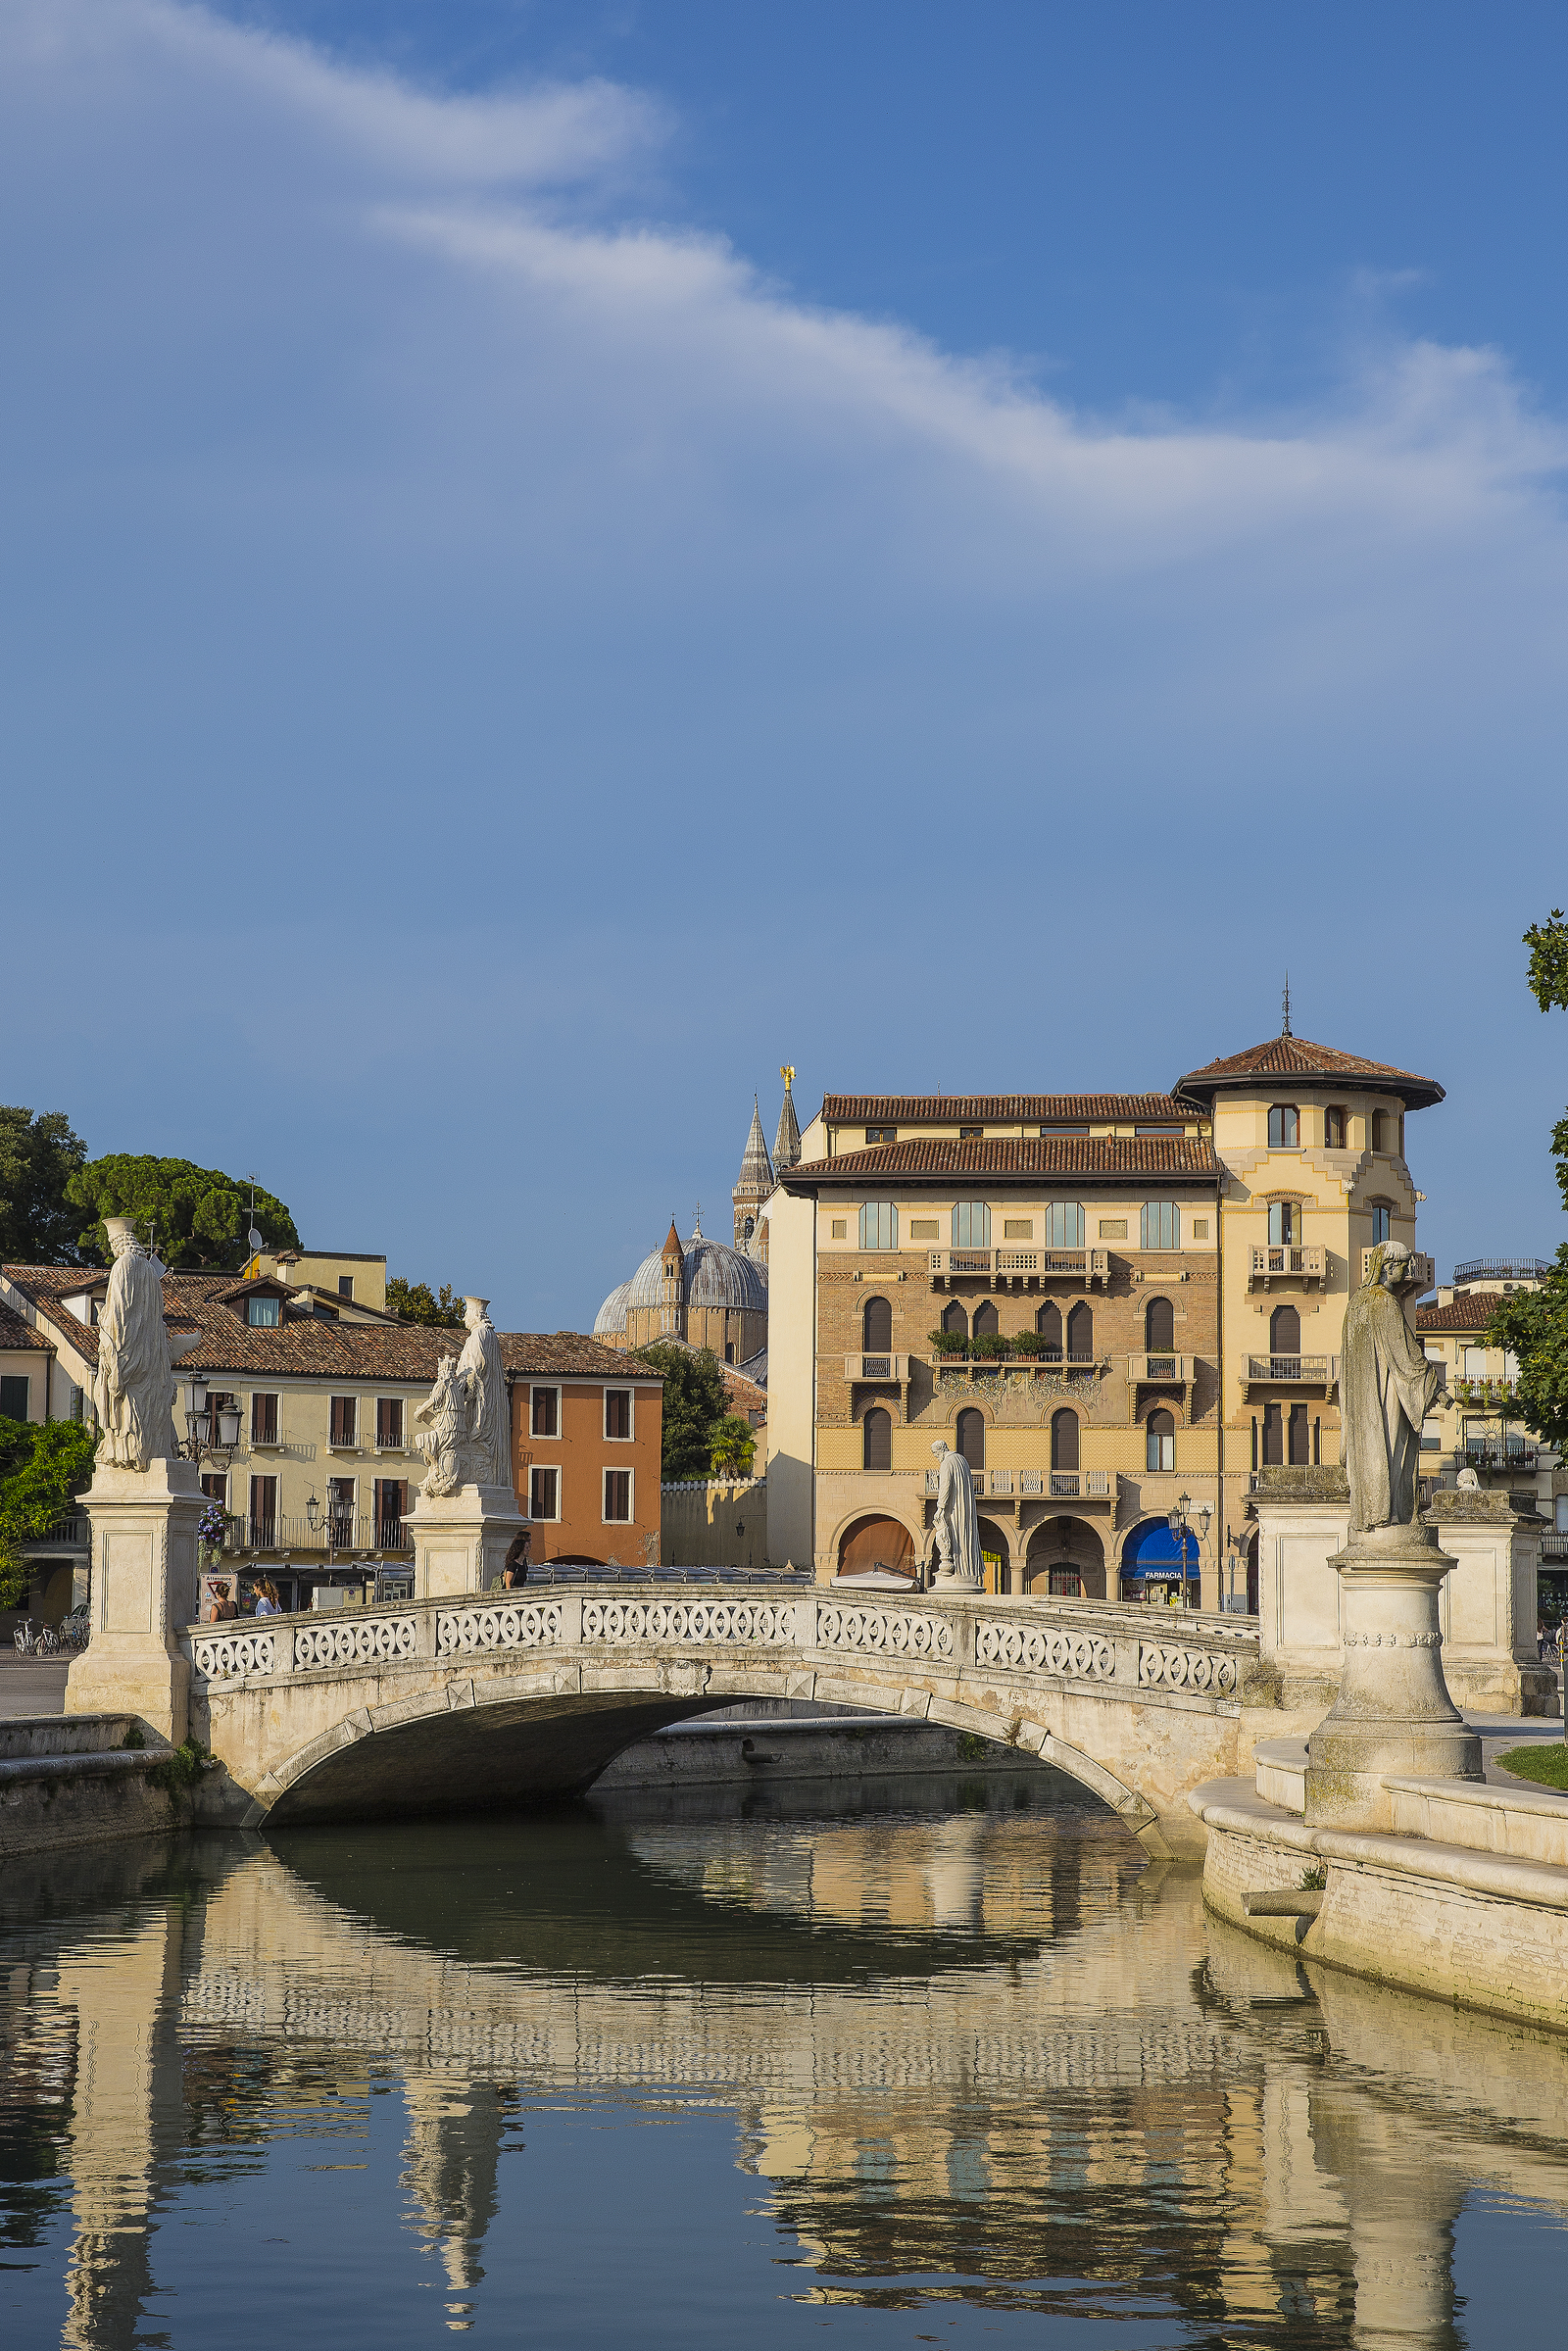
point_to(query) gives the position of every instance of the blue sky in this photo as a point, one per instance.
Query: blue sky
(556, 558)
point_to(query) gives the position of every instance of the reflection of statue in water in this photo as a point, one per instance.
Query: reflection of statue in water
(465, 1412)
(1386, 1388)
(133, 1387)
(484, 1379)
(958, 1523)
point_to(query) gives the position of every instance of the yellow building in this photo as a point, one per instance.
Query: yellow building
(1476, 1428)
(1105, 1302)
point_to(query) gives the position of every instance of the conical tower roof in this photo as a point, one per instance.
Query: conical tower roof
(787, 1142)
(756, 1178)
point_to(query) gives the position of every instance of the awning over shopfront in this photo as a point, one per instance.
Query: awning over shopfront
(1152, 1552)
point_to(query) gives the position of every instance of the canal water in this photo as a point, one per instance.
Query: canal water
(933, 2062)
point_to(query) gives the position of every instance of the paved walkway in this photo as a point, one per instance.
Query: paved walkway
(31, 1685)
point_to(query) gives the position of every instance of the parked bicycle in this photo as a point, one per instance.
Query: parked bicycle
(74, 1628)
(41, 1641)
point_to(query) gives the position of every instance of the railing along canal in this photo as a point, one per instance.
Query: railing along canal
(1100, 1642)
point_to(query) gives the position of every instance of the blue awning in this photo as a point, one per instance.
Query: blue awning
(1151, 1550)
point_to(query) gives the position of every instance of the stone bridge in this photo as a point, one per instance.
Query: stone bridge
(474, 1700)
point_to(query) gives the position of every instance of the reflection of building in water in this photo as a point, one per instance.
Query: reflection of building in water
(1241, 2140)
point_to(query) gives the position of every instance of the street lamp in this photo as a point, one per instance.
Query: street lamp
(1180, 1528)
(197, 1410)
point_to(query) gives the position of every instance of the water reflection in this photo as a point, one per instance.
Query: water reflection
(975, 2055)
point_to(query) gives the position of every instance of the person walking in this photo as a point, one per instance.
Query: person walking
(267, 1600)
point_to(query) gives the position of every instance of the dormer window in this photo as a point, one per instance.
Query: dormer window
(262, 1312)
(1284, 1128)
(1065, 1126)
(881, 1134)
(970, 1134)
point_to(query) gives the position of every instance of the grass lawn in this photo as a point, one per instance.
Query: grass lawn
(1545, 1764)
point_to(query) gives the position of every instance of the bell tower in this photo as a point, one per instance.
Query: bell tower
(753, 1183)
(672, 1288)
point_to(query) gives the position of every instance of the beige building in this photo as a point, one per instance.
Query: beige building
(1104, 1301)
(1475, 1427)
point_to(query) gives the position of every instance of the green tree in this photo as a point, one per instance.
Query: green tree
(416, 1302)
(733, 1447)
(694, 1406)
(42, 1466)
(1533, 1324)
(199, 1216)
(38, 1156)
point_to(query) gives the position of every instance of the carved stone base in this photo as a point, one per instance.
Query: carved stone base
(948, 1579)
(1394, 1714)
(143, 1585)
(461, 1540)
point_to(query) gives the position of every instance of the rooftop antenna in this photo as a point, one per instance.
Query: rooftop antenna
(1285, 1024)
(254, 1237)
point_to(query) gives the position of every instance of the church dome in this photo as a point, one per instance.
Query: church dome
(716, 1276)
(610, 1319)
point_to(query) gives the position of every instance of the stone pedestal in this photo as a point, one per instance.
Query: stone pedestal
(1303, 1518)
(143, 1585)
(1490, 1659)
(1394, 1714)
(946, 1581)
(461, 1540)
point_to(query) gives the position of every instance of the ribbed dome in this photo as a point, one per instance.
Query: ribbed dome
(610, 1319)
(716, 1276)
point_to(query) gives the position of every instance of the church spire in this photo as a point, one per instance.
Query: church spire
(787, 1142)
(754, 1181)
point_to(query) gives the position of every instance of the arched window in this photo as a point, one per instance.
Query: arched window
(879, 1225)
(971, 1225)
(971, 1436)
(1064, 1439)
(1284, 1128)
(1285, 1332)
(1380, 1222)
(1081, 1333)
(876, 1326)
(1160, 1224)
(1284, 1223)
(876, 1438)
(1048, 1322)
(747, 1228)
(1064, 1224)
(1159, 1326)
(1162, 1440)
(984, 1319)
(954, 1321)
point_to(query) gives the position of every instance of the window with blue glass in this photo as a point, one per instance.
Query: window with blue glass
(1161, 1224)
(1380, 1222)
(879, 1225)
(1064, 1224)
(971, 1225)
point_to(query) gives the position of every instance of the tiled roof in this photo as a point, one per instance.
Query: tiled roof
(998, 1109)
(47, 1285)
(1471, 1310)
(16, 1334)
(1101, 1160)
(1298, 1057)
(320, 1347)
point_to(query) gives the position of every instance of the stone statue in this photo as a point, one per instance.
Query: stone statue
(446, 1419)
(1386, 1388)
(133, 1387)
(466, 1412)
(488, 1451)
(958, 1522)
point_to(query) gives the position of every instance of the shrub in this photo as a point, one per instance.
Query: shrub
(989, 1345)
(948, 1342)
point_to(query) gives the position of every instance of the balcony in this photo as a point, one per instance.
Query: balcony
(877, 1370)
(66, 1535)
(1290, 1371)
(1554, 1545)
(988, 1366)
(1286, 1262)
(1494, 1452)
(1478, 1394)
(330, 1535)
(1423, 1268)
(1168, 1371)
(1019, 1268)
(1509, 1270)
(1032, 1484)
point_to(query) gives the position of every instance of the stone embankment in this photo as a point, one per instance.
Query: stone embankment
(765, 1742)
(72, 1779)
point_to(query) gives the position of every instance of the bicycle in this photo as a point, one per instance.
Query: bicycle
(44, 1642)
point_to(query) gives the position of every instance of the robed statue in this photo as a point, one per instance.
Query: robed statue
(465, 1414)
(1386, 1388)
(134, 1386)
(958, 1522)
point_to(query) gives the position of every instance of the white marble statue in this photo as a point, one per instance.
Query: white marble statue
(1386, 1388)
(958, 1522)
(488, 1450)
(445, 1415)
(133, 1387)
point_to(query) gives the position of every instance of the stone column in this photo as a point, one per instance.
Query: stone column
(461, 1540)
(143, 1586)
(1394, 1714)
(1488, 1604)
(1304, 1517)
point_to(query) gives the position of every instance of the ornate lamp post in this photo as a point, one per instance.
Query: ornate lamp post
(197, 1410)
(1180, 1528)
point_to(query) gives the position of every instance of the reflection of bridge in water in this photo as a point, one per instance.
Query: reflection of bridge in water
(1067, 2073)
(442, 1704)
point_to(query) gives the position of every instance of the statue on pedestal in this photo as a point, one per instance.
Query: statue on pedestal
(1386, 1388)
(133, 1387)
(958, 1522)
(467, 1414)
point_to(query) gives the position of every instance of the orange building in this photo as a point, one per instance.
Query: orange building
(587, 1433)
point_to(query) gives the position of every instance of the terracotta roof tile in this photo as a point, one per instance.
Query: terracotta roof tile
(1099, 1160)
(999, 1110)
(1471, 1310)
(16, 1334)
(1298, 1057)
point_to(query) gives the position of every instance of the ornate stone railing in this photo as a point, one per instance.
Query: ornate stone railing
(1092, 1642)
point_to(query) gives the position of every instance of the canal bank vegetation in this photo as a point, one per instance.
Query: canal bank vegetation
(1547, 1764)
